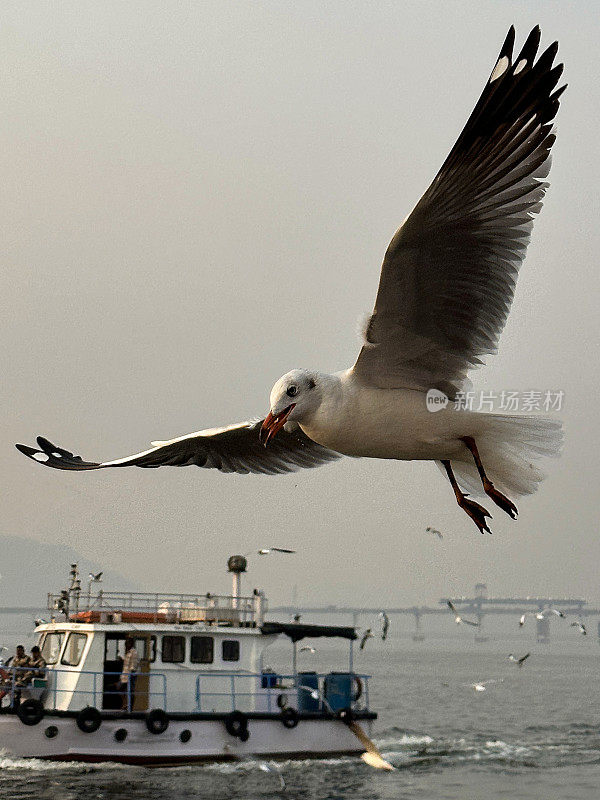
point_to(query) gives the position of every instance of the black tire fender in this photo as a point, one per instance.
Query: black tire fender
(88, 719)
(30, 712)
(236, 723)
(289, 717)
(157, 721)
(358, 690)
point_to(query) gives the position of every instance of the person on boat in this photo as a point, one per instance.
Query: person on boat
(37, 665)
(129, 674)
(17, 662)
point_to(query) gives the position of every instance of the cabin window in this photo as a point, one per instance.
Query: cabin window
(74, 649)
(114, 648)
(173, 649)
(231, 650)
(202, 650)
(51, 645)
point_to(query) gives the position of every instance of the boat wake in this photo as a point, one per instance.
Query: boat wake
(537, 747)
(545, 747)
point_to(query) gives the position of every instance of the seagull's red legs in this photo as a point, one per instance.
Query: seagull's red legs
(474, 510)
(488, 487)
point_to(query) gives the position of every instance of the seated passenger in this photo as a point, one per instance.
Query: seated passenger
(38, 667)
(18, 662)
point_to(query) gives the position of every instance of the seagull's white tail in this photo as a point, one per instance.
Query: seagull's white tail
(509, 448)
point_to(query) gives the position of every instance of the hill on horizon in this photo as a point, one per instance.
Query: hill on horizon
(30, 569)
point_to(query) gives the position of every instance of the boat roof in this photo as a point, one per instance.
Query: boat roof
(297, 631)
(294, 630)
(146, 627)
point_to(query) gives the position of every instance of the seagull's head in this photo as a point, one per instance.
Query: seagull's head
(296, 395)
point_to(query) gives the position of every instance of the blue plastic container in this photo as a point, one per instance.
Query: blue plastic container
(269, 680)
(338, 688)
(305, 701)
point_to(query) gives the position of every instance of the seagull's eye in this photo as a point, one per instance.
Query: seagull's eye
(292, 391)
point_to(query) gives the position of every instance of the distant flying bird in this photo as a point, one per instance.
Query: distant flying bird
(445, 290)
(296, 618)
(458, 619)
(266, 550)
(580, 627)
(385, 625)
(97, 577)
(307, 649)
(435, 532)
(481, 686)
(546, 612)
(368, 634)
(519, 661)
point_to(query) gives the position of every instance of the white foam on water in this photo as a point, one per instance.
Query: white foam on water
(251, 764)
(404, 741)
(40, 765)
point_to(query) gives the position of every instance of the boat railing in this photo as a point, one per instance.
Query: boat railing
(159, 607)
(57, 688)
(183, 690)
(271, 692)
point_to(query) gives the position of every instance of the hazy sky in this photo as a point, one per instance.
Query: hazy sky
(197, 198)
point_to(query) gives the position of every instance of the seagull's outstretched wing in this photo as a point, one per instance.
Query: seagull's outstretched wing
(235, 448)
(468, 622)
(449, 274)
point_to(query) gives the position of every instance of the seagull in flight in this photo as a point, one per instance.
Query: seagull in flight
(458, 619)
(96, 578)
(264, 551)
(518, 661)
(546, 612)
(435, 532)
(580, 627)
(307, 649)
(368, 634)
(481, 686)
(385, 625)
(446, 286)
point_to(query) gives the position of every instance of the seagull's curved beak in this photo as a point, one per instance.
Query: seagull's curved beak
(273, 424)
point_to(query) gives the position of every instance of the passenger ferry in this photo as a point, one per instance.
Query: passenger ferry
(202, 691)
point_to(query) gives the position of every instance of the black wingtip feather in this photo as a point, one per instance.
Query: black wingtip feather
(509, 43)
(530, 48)
(27, 451)
(554, 97)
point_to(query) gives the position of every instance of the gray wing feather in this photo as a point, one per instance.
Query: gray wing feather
(233, 449)
(449, 274)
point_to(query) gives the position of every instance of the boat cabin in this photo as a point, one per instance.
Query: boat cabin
(198, 654)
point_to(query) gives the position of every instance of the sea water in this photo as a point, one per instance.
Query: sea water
(534, 733)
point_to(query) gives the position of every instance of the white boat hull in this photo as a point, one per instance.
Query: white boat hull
(209, 740)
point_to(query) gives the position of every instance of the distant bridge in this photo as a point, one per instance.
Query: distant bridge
(479, 606)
